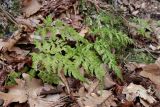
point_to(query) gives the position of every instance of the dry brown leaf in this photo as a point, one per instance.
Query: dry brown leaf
(15, 94)
(93, 100)
(31, 22)
(19, 51)
(57, 6)
(152, 71)
(31, 7)
(132, 91)
(84, 31)
(108, 82)
(110, 102)
(10, 42)
(132, 66)
(4, 69)
(29, 90)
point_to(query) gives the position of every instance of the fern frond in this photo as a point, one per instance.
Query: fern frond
(56, 53)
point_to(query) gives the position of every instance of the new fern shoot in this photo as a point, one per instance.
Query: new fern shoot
(61, 48)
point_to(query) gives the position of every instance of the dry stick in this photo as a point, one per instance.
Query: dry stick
(64, 80)
(9, 16)
(6, 45)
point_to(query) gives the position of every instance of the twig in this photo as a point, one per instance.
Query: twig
(7, 45)
(149, 51)
(95, 2)
(64, 80)
(9, 16)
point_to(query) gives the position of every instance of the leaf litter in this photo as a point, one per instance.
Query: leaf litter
(141, 81)
(29, 90)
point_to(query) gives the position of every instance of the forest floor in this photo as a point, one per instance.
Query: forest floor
(24, 85)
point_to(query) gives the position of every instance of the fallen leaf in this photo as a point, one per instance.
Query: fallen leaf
(76, 21)
(30, 7)
(132, 66)
(84, 31)
(10, 42)
(31, 22)
(4, 70)
(132, 91)
(110, 102)
(152, 71)
(15, 94)
(108, 82)
(19, 51)
(93, 100)
(57, 6)
(29, 90)
(91, 86)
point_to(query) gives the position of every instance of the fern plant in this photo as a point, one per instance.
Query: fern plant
(107, 29)
(61, 48)
(144, 28)
(11, 78)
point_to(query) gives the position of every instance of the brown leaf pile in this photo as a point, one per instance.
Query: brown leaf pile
(29, 90)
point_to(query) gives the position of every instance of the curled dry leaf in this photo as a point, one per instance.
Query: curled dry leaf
(15, 94)
(8, 44)
(132, 91)
(29, 90)
(152, 71)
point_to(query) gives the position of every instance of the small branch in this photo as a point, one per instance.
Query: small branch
(9, 16)
(64, 80)
(10, 42)
(148, 51)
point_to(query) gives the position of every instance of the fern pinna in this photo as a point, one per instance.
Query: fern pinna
(62, 48)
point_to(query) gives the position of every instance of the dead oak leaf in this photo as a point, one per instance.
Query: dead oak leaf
(132, 91)
(30, 7)
(152, 71)
(15, 94)
(29, 90)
